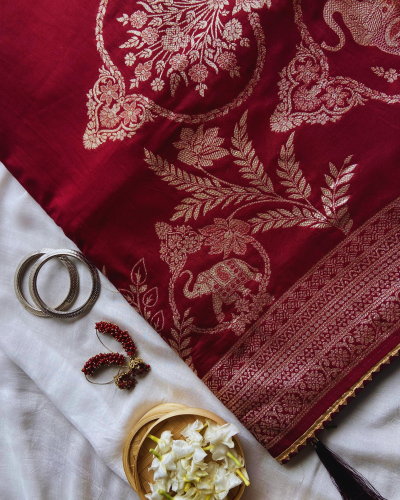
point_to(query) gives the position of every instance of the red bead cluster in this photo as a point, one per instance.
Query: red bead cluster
(102, 359)
(125, 381)
(136, 365)
(122, 337)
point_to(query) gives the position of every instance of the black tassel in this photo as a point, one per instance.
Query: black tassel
(351, 484)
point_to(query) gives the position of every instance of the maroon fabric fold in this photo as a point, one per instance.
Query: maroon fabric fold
(233, 166)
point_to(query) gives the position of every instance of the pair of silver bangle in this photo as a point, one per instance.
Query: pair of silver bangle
(60, 311)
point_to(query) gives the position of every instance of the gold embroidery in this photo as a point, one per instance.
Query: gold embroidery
(200, 149)
(227, 236)
(303, 212)
(142, 298)
(248, 5)
(114, 114)
(309, 94)
(341, 311)
(231, 282)
(223, 280)
(335, 408)
(372, 23)
(390, 75)
(237, 288)
(184, 41)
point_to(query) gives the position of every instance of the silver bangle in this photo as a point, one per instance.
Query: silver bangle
(54, 313)
(19, 274)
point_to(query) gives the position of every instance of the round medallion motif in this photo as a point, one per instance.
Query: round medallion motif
(161, 56)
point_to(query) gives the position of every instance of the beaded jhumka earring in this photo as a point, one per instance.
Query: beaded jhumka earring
(136, 366)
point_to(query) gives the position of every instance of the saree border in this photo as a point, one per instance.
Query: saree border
(379, 235)
(326, 417)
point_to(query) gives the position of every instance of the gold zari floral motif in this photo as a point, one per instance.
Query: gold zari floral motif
(342, 401)
(237, 288)
(307, 92)
(181, 42)
(208, 192)
(342, 310)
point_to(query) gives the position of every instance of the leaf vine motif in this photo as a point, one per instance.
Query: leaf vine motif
(143, 299)
(252, 169)
(293, 178)
(180, 342)
(298, 190)
(333, 197)
(285, 218)
(207, 192)
(391, 75)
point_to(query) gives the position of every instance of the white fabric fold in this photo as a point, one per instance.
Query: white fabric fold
(52, 352)
(42, 455)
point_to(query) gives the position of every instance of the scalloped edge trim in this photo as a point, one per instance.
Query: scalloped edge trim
(318, 426)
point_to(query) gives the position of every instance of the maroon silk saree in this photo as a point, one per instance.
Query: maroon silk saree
(234, 168)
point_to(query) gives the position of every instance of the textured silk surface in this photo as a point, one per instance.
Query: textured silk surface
(62, 437)
(233, 168)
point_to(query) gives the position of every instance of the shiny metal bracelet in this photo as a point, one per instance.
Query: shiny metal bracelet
(19, 274)
(54, 313)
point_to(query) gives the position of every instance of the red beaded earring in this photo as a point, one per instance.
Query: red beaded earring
(124, 380)
(122, 337)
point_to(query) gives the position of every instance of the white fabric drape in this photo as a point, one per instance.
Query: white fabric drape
(61, 437)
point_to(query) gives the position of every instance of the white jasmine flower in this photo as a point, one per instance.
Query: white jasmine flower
(206, 484)
(160, 484)
(186, 473)
(161, 467)
(220, 433)
(205, 487)
(192, 468)
(223, 482)
(198, 455)
(191, 494)
(219, 452)
(181, 448)
(164, 443)
(192, 434)
(180, 472)
(233, 460)
(178, 477)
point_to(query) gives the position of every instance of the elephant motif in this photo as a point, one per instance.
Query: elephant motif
(371, 22)
(225, 280)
